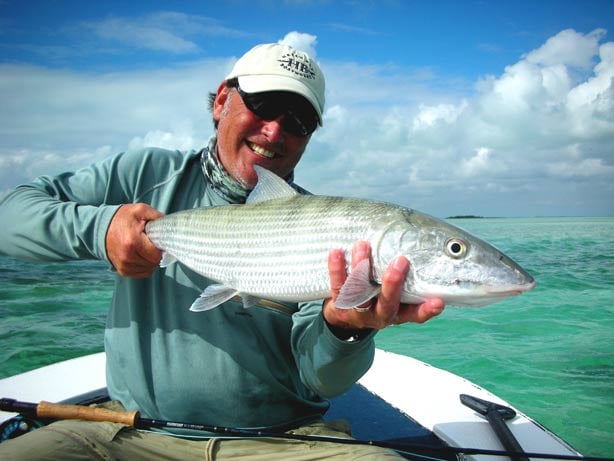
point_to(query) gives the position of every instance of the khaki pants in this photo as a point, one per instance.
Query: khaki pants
(81, 440)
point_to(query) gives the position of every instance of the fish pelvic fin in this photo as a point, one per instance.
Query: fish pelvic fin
(249, 300)
(167, 259)
(269, 187)
(213, 296)
(358, 287)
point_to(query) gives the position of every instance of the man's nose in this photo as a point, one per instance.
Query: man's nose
(273, 129)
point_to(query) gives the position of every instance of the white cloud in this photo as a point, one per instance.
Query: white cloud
(429, 116)
(550, 115)
(143, 36)
(482, 163)
(585, 168)
(182, 136)
(64, 114)
(568, 48)
(532, 137)
(166, 31)
(591, 103)
(301, 41)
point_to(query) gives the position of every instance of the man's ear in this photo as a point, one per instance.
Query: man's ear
(220, 100)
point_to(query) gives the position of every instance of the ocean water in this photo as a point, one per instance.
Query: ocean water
(549, 352)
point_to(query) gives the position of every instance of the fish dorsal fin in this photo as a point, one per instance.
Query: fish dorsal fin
(270, 186)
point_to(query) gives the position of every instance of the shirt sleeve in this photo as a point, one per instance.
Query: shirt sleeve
(56, 218)
(328, 365)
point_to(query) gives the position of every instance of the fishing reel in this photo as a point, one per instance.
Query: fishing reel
(18, 425)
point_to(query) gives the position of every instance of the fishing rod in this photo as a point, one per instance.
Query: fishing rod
(133, 419)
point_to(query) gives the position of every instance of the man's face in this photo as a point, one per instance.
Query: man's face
(245, 140)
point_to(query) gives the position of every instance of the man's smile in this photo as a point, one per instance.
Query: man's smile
(260, 150)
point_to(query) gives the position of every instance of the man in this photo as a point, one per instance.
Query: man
(267, 367)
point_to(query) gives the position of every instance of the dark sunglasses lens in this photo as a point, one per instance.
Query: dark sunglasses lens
(299, 121)
(264, 108)
(297, 125)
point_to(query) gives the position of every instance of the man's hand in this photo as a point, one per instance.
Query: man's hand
(128, 247)
(387, 308)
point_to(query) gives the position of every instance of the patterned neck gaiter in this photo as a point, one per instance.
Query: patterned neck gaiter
(222, 183)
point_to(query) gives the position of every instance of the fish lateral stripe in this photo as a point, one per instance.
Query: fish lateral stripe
(278, 249)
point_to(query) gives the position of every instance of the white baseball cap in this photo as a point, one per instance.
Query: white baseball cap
(275, 67)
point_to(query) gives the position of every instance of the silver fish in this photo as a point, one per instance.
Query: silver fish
(276, 247)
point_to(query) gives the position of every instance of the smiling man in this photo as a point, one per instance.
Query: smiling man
(270, 367)
(283, 92)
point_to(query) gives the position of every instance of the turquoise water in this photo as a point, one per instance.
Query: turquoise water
(549, 352)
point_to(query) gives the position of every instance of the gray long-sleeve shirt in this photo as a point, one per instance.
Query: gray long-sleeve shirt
(229, 366)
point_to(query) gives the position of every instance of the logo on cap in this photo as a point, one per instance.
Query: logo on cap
(297, 63)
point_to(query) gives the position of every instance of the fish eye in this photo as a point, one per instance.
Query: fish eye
(456, 248)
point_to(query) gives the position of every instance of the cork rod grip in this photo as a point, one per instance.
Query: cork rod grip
(60, 411)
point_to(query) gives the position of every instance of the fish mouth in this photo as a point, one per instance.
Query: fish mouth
(261, 151)
(512, 290)
(487, 295)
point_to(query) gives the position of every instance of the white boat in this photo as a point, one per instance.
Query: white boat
(400, 401)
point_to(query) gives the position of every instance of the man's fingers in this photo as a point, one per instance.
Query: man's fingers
(361, 250)
(420, 313)
(137, 271)
(128, 247)
(147, 251)
(147, 213)
(336, 269)
(145, 248)
(384, 310)
(390, 297)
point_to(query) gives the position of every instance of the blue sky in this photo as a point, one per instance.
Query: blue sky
(494, 108)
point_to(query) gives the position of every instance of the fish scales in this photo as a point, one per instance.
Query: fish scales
(275, 248)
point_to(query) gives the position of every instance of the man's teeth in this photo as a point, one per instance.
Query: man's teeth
(261, 150)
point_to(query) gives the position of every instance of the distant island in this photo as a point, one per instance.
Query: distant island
(467, 216)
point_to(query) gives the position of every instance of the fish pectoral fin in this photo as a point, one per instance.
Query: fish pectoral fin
(213, 296)
(249, 300)
(358, 287)
(269, 186)
(167, 259)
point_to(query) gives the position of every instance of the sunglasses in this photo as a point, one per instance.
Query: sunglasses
(299, 117)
